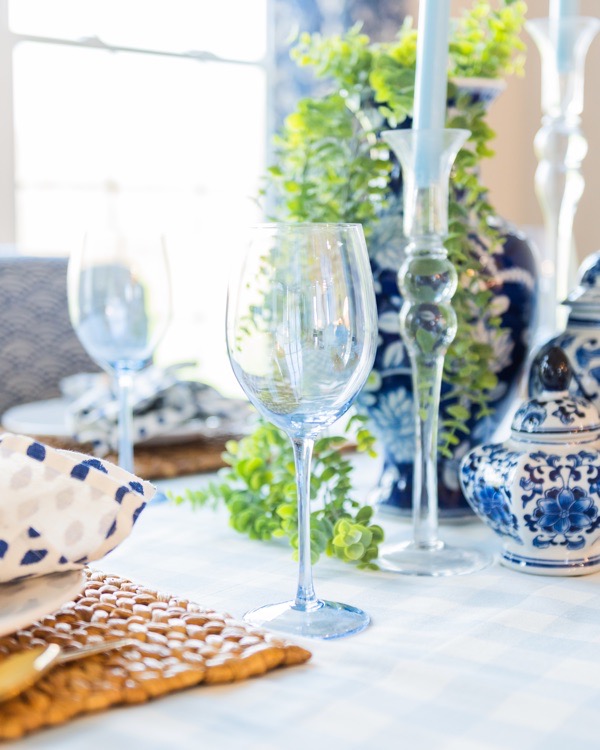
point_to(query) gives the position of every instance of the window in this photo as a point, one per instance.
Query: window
(136, 114)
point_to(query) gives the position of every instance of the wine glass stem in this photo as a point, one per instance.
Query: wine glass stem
(305, 595)
(427, 379)
(124, 383)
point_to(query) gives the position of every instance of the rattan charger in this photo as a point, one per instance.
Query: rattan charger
(178, 644)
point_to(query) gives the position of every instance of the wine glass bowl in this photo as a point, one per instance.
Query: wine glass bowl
(120, 307)
(310, 355)
(301, 334)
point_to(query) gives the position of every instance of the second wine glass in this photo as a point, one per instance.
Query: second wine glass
(120, 306)
(302, 334)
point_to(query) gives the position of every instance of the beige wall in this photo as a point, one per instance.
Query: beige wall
(516, 117)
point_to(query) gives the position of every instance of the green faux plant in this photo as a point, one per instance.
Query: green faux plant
(259, 490)
(331, 167)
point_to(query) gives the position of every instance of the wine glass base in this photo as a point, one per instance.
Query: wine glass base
(326, 620)
(440, 560)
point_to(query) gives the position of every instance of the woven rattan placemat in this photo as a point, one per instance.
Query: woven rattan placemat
(179, 644)
(161, 461)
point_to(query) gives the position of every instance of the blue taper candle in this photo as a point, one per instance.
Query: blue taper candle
(561, 13)
(431, 80)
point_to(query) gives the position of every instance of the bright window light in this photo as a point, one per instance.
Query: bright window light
(130, 140)
(229, 28)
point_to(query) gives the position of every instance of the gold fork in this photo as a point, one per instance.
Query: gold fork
(21, 670)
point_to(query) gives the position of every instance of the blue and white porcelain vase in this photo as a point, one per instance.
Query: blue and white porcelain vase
(581, 338)
(511, 275)
(540, 490)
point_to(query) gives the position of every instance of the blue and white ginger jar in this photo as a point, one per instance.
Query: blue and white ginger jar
(540, 490)
(581, 339)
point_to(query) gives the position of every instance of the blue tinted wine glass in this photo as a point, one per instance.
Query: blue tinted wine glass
(301, 336)
(120, 306)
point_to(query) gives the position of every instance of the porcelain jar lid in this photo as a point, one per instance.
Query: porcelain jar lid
(555, 411)
(584, 300)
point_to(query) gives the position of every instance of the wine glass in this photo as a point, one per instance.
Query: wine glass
(120, 305)
(301, 337)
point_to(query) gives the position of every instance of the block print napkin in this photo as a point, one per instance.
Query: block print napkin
(163, 401)
(59, 509)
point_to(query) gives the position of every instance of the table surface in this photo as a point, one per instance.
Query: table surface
(497, 659)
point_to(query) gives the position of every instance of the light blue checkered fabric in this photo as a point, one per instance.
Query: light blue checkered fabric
(490, 661)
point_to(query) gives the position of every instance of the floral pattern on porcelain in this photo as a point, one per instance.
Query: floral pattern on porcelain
(564, 489)
(492, 501)
(558, 415)
(392, 417)
(544, 504)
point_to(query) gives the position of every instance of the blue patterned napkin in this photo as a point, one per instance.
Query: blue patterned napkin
(59, 509)
(164, 404)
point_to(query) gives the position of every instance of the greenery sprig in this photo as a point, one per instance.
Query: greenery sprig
(259, 490)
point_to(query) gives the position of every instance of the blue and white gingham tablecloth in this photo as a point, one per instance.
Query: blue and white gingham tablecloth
(489, 661)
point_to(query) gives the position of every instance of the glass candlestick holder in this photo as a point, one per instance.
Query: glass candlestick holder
(560, 147)
(427, 280)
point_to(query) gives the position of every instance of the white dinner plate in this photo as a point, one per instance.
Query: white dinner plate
(38, 418)
(23, 602)
(50, 418)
